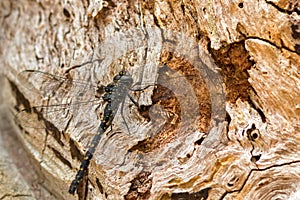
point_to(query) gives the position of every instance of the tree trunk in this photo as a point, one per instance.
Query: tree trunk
(214, 108)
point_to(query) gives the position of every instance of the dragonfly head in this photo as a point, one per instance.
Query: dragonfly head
(121, 73)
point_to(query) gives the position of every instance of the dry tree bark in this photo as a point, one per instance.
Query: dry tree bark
(220, 119)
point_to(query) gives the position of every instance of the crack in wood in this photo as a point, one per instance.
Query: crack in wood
(140, 187)
(200, 195)
(60, 156)
(273, 44)
(295, 9)
(20, 98)
(254, 170)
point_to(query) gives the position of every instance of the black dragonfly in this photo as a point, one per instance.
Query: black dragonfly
(114, 95)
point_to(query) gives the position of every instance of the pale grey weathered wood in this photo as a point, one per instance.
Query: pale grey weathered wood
(256, 48)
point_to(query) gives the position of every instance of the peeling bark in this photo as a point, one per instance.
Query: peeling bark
(216, 83)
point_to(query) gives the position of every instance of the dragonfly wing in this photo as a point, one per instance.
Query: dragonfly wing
(36, 117)
(49, 85)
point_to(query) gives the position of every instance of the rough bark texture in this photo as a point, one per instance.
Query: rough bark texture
(222, 120)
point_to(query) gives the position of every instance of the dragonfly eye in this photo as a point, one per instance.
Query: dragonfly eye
(123, 72)
(117, 77)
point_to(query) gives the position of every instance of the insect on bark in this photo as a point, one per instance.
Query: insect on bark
(115, 94)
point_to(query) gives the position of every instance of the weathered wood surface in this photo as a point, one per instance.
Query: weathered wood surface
(232, 132)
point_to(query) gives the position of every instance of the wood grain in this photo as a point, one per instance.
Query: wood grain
(219, 121)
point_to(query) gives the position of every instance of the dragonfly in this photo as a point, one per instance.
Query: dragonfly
(57, 90)
(112, 94)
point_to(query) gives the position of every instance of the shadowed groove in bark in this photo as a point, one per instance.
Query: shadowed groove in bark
(60, 156)
(202, 194)
(140, 187)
